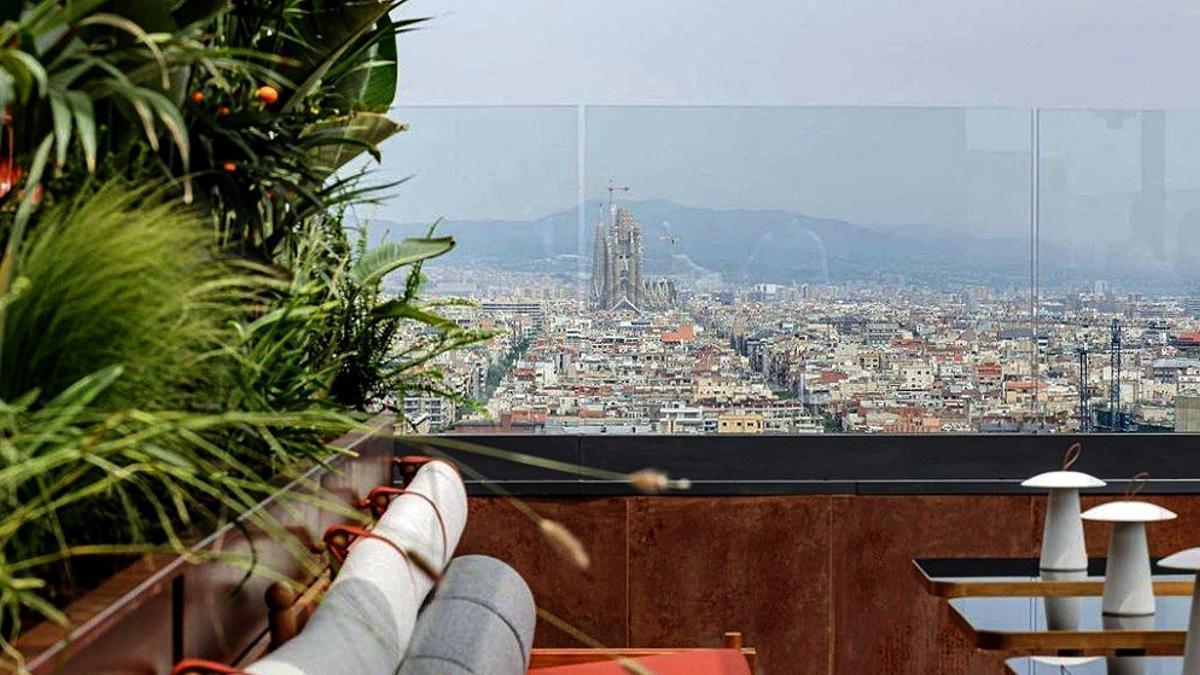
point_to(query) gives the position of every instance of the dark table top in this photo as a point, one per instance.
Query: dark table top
(1000, 604)
(1153, 665)
(1018, 577)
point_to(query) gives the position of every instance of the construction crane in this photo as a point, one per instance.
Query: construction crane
(1116, 423)
(1085, 413)
(612, 209)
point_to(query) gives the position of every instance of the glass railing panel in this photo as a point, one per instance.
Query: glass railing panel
(808, 269)
(1119, 239)
(805, 270)
(503, 181)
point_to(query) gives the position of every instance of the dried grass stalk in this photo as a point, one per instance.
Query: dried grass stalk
(566, 543)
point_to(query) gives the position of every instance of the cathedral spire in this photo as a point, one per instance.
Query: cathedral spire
(618, 262)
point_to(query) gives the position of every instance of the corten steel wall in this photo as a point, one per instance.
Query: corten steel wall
(817, 583)
(803, 544)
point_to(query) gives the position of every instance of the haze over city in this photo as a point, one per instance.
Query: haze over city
(878, 258)
(961, 172)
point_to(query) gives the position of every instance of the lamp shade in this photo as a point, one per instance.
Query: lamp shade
(1128, 512)
(1063, 479)
(1128, 590)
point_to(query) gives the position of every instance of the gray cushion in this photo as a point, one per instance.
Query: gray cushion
(478, 621)
(353, 633)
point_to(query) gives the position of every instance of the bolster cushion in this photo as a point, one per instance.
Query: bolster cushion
(478, 621)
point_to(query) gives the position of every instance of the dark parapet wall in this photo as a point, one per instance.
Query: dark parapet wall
(733, 464)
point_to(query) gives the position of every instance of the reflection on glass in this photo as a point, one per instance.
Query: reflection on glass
(1128, 665)
(1063, 613)
(1029, 614)
(502, 181)
(808, 270)
(1119, 238)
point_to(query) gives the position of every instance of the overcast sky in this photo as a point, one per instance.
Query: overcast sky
(793, 77)
(1050, 53)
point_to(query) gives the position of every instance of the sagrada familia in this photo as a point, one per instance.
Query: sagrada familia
(618, 278)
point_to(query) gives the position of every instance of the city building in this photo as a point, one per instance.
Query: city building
(618, 275)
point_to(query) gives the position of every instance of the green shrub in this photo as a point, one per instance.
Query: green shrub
(119, 278)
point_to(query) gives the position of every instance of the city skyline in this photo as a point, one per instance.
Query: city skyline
(765, 358)
(730, 355)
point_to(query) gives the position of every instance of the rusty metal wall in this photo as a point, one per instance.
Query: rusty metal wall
(818, 584)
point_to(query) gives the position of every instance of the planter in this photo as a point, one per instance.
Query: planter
(150, 615)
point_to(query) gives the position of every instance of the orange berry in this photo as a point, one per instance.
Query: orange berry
(229, 167)
(223, 111)
(197, 96)
(268, 94)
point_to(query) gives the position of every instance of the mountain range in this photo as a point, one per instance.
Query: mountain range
(745, 245)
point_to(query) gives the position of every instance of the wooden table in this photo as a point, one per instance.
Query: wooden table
(1018, 577)
(1154, 665)
(999, 605)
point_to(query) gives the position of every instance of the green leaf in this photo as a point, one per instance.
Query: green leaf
(342, 139)
(20, 79)
(37, 169)
(330, 33)
(81, 394)
(137, 98)
(121, 23)
(60, 113)
(85, 123)
(382, 78)
(173, 120)
(26, 70)
(191, 12)
(151, 15)
(403, 310)
(40, 18)
(381, 260)
(8, 91)
(367, 75)
(77, 9)
(168, 456)
(45, 608)
(13, 293)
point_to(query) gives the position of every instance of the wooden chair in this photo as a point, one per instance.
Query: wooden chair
(549, 657)
(288, 610)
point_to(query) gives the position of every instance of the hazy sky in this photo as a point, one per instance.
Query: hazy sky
(1050, 53)
(551, 98)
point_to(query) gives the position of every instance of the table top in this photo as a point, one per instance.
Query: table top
(1018, 577)
(1014, 623)
(1153, 665)
(1000, 604)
